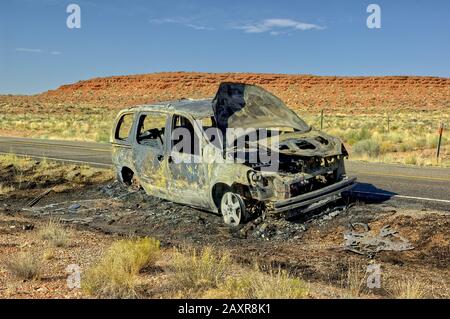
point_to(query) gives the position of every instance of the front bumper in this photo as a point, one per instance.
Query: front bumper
(315, 199)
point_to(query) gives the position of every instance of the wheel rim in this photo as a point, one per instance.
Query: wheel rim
(231, 208)
(135, 184)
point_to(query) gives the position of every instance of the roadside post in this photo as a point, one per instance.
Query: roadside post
(441, 130)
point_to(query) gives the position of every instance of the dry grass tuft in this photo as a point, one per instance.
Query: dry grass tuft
(195, 270)
(19, 162)
(407, 288)
(55, 234)
(277, 284)
(115, 275)
(354, 280)
(48, 254)
(5, 189)
(26, 266)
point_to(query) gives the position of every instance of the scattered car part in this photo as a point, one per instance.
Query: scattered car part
(366, 243)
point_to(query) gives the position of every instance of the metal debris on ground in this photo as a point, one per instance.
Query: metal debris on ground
(270, 227)
(116, 191)
(60, 208)
(74, 207)
(28, 227)
(287, 227)
(35, 200)
(366, 243)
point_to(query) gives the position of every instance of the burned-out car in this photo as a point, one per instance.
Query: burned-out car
(240, 153)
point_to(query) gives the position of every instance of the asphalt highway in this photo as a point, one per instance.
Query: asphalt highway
(430, 186)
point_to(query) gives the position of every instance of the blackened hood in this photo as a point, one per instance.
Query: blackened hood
(238, 105)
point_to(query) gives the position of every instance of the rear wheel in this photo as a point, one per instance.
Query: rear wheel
(233, 209)
(129, 179)
(135, 185)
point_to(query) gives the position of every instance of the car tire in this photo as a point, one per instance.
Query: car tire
(233, 209)
(135, 184)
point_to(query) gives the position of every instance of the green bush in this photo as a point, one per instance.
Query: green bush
(367, 147)
(354, 136)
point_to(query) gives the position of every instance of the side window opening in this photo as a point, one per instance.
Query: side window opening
(124, 127)
(214, 135)
(151, 129)
(184, 139)
(208, 122)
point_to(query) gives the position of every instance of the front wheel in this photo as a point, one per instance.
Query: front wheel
(233, 209)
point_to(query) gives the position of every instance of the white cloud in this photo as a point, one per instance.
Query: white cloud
(278, 26)
(165, 20)
(181, 21)
(198, 27)
(29, 50)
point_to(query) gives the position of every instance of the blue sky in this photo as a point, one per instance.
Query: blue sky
(38, 52)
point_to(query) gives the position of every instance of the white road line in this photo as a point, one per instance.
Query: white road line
(404, 196)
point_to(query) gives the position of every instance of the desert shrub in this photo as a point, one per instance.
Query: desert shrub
(102, 136)
(432, 140)
(411, 160)
(108, 280)
(395, 137)
(25, 266)
(353, 136)
(258, 285)
(421, 141)
(407, 288)
(4, 189)
(368, 146)
(19, 162)
(115, 275)
(55, 234)
(197, 270)
(386, 147)
(354, 280)
(135, 254)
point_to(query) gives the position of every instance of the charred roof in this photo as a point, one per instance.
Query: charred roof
(197, 108)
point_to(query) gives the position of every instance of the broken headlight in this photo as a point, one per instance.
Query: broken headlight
(255, 179)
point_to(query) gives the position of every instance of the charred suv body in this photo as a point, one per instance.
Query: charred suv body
(272, 160)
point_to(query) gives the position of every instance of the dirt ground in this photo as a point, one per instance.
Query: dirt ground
(310, 247)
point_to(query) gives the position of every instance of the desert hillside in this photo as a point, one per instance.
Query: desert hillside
(385, 119)
(301, 92)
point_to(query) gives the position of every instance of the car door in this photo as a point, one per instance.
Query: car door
(149, 152)
(187, 172)
(121, 140)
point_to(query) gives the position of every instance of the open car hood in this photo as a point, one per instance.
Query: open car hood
(238, 105)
